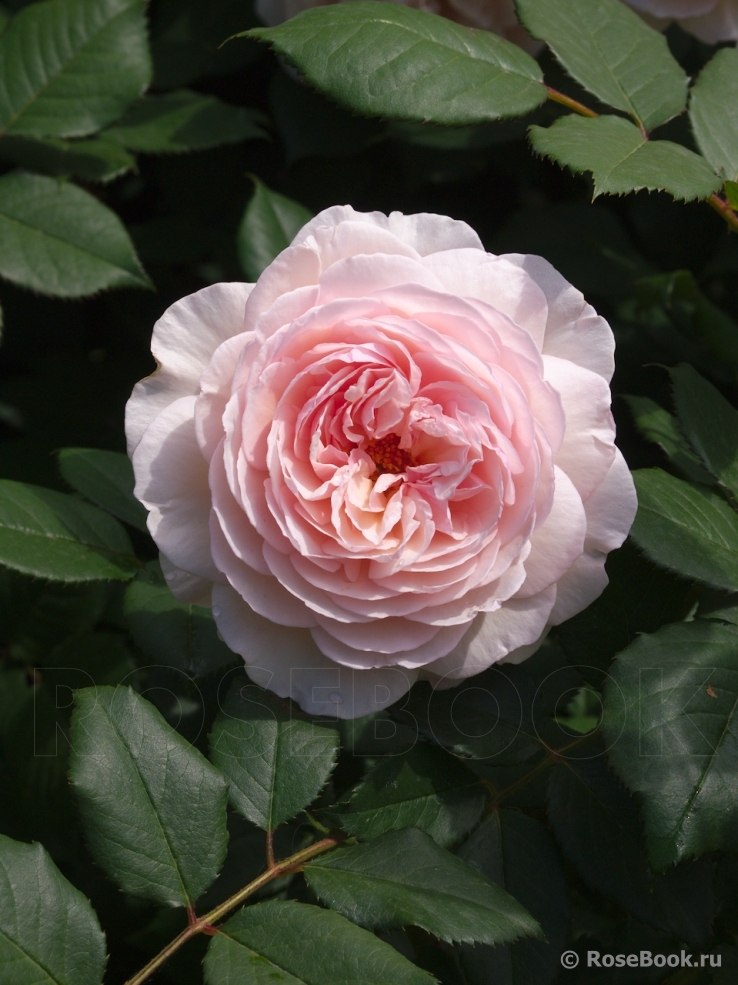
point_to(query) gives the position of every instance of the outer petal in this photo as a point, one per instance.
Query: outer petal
(184, 586)
(588, 448)
(719, 24)
(503, 285)
(493, 635)
(185, 337)
(172, 482)
(444, 640)
(425, 232)
(288, 662)
(610, 512)
(558, 542)
(574, 330)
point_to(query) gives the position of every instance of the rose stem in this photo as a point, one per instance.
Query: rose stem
(717, 203)
(199, 925)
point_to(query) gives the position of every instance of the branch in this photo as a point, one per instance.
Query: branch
(722, 208)
(558, 97)
(204, 925)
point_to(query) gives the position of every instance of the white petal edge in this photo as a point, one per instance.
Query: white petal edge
(288, 662)
(172, 483)
(184, 339)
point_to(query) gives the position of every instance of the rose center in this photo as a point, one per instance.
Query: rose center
(388, 456)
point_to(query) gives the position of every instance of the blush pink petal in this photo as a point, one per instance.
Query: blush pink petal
(172, 483)
(556, 544)
(287, 661)
(610, 512)
(495, 634)
(588, 448)
(184, 339)
(574, 330)
(444, 640)
(184, 586)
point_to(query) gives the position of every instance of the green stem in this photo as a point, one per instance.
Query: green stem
(722, 208)
(199, 925)
(558, 97)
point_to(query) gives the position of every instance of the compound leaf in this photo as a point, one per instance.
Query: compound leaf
(622, 160)
(713, 110)
(270, 223)
(183, 121)
(276, 762)
(382, 59)
(51, 535)
(70, 67)
(297, 944)
(609, 50)
(670, 719)
(105, 478)
(404, 877)
(49, 933)
(153, 808)
(58, 239)
(686, 528)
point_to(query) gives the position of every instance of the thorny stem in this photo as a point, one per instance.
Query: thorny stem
(199, 925)
(719, 204)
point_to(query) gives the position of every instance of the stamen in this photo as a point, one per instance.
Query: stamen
(388, 456)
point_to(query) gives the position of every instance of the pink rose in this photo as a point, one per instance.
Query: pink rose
(491, 15)
(392, 458)
(708, 20)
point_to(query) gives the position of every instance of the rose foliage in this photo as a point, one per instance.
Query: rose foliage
(374, 662)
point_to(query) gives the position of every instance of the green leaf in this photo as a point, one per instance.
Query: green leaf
(297, 944)
(661, 427)
(609, 50)
(387, 60)
(51, 535)
(153, 808)
(270, 223)
(105, 478)
(686, 528)
(485, 719)
(713, 110)
(172, 633)
(622, 160)
(183, 121)
(404, 877)
(679, 297)
(425, 788)
(670, 719)
(49, 933)
(276, 763)
(731, 193)
(709, 422)
(599, 827)
(517, 852)
(58, 239)
(93, 159)
(69, 67)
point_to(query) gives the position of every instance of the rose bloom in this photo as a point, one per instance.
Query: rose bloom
(390, 459)
(708, 20)
(491, 15)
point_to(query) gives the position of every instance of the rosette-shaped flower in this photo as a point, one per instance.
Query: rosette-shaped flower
(393, 457)
(497, 16)
(708, 20)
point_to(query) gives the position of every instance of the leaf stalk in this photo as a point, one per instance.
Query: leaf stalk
(204, 924)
